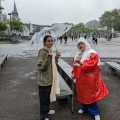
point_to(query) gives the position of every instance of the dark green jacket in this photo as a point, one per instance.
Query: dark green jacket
(45, 76)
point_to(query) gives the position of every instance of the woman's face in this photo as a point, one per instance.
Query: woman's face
(82, 46)
(49, 42)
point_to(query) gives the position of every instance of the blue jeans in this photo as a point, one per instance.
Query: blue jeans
(91, 108)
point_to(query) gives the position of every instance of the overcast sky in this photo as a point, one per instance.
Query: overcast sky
(47, 12)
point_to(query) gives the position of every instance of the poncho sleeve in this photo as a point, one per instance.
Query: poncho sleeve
(90, 65)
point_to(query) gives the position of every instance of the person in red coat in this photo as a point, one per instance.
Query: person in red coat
(90, 86)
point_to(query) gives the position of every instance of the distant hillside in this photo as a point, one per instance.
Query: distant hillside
(93, 24)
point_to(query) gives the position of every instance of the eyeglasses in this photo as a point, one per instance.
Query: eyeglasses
(49, 41)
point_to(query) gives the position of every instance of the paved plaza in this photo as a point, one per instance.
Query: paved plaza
(19, 98)
(106, 49)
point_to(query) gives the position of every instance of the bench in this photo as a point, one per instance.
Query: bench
(114, 67)
(117, 61)
(65, 90)
(65, 70)
(3, 59)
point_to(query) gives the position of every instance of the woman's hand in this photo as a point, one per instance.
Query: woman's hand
(50, 51)
(72, 76)
(58, 54)
(78, 61)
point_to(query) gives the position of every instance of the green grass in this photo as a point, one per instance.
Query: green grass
(5, 42)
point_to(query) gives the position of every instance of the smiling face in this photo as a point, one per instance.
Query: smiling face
(82, 46)
(49, 42)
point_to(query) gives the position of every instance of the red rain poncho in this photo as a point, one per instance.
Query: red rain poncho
(89, 84)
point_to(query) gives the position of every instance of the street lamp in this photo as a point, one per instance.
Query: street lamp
(1, 9)
(10, 22)
(112, 18)
(0, 2)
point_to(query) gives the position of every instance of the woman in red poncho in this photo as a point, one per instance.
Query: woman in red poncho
(89, 84)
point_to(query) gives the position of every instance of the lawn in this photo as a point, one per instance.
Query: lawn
(5, 42)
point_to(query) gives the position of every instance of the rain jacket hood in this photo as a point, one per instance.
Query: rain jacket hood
(87, 52)
(82, 39)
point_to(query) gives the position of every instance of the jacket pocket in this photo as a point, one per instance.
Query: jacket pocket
(44, 77)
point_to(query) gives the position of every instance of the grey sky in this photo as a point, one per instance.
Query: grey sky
(46, 12)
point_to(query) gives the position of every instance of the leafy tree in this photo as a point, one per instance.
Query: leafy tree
(17, 25)
(1, 8)
(69, 23)
(111, 19)
(37, 29)
(3, 27)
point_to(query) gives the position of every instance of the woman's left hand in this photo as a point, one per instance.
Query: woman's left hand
(58, 54)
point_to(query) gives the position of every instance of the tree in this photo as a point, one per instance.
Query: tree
(3, 27)
(111, 19)
(17, 25)
(1, 8)
(37, 29)
(69, 23)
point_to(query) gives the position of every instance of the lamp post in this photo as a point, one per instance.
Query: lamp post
(10, 22)
(112, 18)
(0, 2)
(1, 9)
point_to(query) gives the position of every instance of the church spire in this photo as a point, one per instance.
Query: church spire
(15, 8)
(14, 12)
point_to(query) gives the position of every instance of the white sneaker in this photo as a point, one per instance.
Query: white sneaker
(51, 112)
(80, 111)
(46, 118)
(97, 117)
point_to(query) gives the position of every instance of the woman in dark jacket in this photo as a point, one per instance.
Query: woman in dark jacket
(46, 63)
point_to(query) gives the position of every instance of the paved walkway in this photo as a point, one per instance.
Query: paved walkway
(105, 48)
(18, 86)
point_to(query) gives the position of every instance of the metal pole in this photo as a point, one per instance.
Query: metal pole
(10, 23)
(0, 10)
(0, 3)
(112, 27)
(72, 96)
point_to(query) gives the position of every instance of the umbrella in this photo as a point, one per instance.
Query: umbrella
(57, 30)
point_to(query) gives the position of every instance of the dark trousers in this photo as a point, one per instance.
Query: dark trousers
(91, 108)
(95, 41)
(44, 95)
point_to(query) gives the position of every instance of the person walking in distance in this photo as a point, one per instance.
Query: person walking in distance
(95, 39)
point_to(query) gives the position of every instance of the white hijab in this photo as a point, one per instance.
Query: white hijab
(87, 52)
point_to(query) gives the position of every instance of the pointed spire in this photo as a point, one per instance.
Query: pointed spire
(14, 12)
(15, 8)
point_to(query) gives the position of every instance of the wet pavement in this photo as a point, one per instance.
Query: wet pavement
(105, 48)
(19, 98)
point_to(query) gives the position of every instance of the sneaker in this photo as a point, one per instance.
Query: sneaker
(51, 112)
(80, 111)
(46, 118)
(97, 117)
